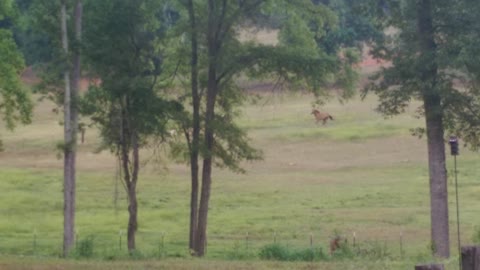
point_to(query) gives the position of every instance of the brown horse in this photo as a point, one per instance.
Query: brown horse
(321, 116)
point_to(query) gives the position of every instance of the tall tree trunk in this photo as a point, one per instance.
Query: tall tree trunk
(194, 151)
(129, 141)
(438, 178)
(435, 133)
(201, 238)
(213, 48)
(132, 219)
(69, 154)
(132, 200)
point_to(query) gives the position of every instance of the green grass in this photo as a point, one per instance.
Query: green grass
(358, 175)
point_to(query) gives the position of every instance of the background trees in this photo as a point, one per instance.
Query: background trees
(72, 75)
(15, 104)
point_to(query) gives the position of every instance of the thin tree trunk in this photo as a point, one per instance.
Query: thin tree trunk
(435, 133)
(132, 219)
(69, 154)
(213, 48)
(130, 184)
(206, 178)
(194, 151)
(128, 141)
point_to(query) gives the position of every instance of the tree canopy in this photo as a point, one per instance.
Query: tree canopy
(15, 104)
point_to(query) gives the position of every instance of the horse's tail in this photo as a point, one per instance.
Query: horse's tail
(329, 116)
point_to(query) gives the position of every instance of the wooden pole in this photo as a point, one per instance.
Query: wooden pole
(429, 267)
(470, 258)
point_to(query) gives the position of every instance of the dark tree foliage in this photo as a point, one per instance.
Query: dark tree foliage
(30, 35)
(354, 26)
(15, 103)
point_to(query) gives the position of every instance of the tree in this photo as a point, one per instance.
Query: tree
(15, 104)
(427, 51)
(194, 141)
(60, 82)
(70, 108)
(222, 58)
(125, 50)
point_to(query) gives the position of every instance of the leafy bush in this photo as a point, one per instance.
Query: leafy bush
(137, 255)
(274, 252)
(308, 254)
(283, 253)
(85, 247)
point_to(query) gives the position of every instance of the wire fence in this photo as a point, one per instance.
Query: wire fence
(161, 244)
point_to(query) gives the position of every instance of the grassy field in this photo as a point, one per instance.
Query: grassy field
(361, 176)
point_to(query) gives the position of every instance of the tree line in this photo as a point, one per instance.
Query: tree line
(164, 63)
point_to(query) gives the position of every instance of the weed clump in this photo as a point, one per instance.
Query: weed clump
(284, 253)
(85, 248)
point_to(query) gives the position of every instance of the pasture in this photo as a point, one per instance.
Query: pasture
(360, 176)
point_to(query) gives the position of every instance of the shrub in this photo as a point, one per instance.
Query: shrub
(85, 247)
(274, 252)
(283, 253)
(308, 254)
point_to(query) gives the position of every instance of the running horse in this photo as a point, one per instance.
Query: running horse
(321, 116)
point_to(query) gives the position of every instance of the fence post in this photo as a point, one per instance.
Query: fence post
(470, 258)
(120, 240)
(311, 240)
(401, 244)
(354, 239)
(35, 242)
(162, 244)
(76, 239)
(429, 267)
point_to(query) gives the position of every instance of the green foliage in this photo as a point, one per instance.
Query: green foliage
(297, 62)
(356, 25)
(295, 34)
(454, 57)
(15, 104)
(128, 60)
(275, 252)
(85, 247)
(40, 39)
(283, 253)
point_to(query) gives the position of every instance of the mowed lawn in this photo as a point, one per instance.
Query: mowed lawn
(361, 176)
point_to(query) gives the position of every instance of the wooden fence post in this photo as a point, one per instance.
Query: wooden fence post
(429, 267)
(471, 257)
